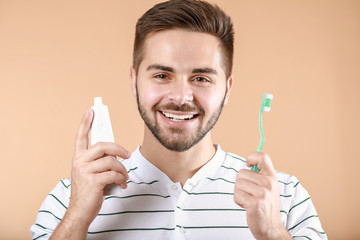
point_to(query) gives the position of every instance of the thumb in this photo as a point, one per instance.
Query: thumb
(263, 162)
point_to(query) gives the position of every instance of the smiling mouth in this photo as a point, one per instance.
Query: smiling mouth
(179, 118)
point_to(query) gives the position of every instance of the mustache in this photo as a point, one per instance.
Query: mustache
(179, 108)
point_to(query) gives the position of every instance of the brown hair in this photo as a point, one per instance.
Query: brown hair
(192, 15)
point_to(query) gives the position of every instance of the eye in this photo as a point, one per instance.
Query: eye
(161, 76)
(199, 79)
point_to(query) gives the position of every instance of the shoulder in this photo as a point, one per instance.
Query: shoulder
(235, 161)
(298, 212)
(52, 210)
(287, 180)
(291, 187)
(59, 197)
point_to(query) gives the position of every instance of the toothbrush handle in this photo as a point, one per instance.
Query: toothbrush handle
(254, 168)
(262, 139)
(262, 136)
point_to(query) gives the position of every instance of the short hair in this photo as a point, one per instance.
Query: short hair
(191, 15)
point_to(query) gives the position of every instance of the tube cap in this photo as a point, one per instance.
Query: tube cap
(98, 101)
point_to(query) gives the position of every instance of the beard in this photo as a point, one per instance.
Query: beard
(176, 138)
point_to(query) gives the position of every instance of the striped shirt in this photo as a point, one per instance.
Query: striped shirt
(154, 207)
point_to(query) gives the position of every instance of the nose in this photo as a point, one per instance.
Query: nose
(181, 92)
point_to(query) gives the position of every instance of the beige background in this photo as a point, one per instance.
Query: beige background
(55, 56)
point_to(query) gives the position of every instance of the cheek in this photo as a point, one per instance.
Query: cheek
(150, 95)
(210, 99)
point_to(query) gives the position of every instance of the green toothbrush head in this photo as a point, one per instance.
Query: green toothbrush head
(266, 102)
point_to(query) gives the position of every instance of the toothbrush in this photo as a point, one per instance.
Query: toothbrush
(265, 106)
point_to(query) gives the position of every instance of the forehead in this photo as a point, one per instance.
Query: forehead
(182, 50)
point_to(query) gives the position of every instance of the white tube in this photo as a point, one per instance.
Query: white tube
(101, 130)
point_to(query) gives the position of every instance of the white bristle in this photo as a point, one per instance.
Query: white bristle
(269, 96)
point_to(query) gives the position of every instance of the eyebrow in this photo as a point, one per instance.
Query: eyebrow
(205, 70)
(159, 67)
(170, 69)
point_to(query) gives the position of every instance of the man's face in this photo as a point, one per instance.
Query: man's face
(180, 86)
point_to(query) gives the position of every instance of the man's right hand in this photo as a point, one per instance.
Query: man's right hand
(92, 169)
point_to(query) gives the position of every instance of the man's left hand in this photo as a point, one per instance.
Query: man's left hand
(258, 193)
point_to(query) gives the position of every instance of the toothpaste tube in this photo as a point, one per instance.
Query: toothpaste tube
(101, 131)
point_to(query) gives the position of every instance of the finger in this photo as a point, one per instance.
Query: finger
(82, 136)
(263, 162)
(109, 177)
(246, 175)
(252, 188)
(101, 149)
(108, 163)
(243, 199)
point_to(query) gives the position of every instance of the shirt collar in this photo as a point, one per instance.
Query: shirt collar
(149, 172)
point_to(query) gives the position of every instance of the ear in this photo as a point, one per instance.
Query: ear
(229, 84)
(133, 80)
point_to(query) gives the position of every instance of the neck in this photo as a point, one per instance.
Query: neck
(178, 166)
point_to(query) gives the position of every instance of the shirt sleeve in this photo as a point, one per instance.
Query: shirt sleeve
(51, 211)
(302, 221)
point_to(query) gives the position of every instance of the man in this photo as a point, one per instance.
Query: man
(177, 184)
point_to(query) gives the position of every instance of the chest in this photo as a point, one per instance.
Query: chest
(200, 210)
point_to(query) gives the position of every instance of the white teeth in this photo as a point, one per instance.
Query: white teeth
(178, 117)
